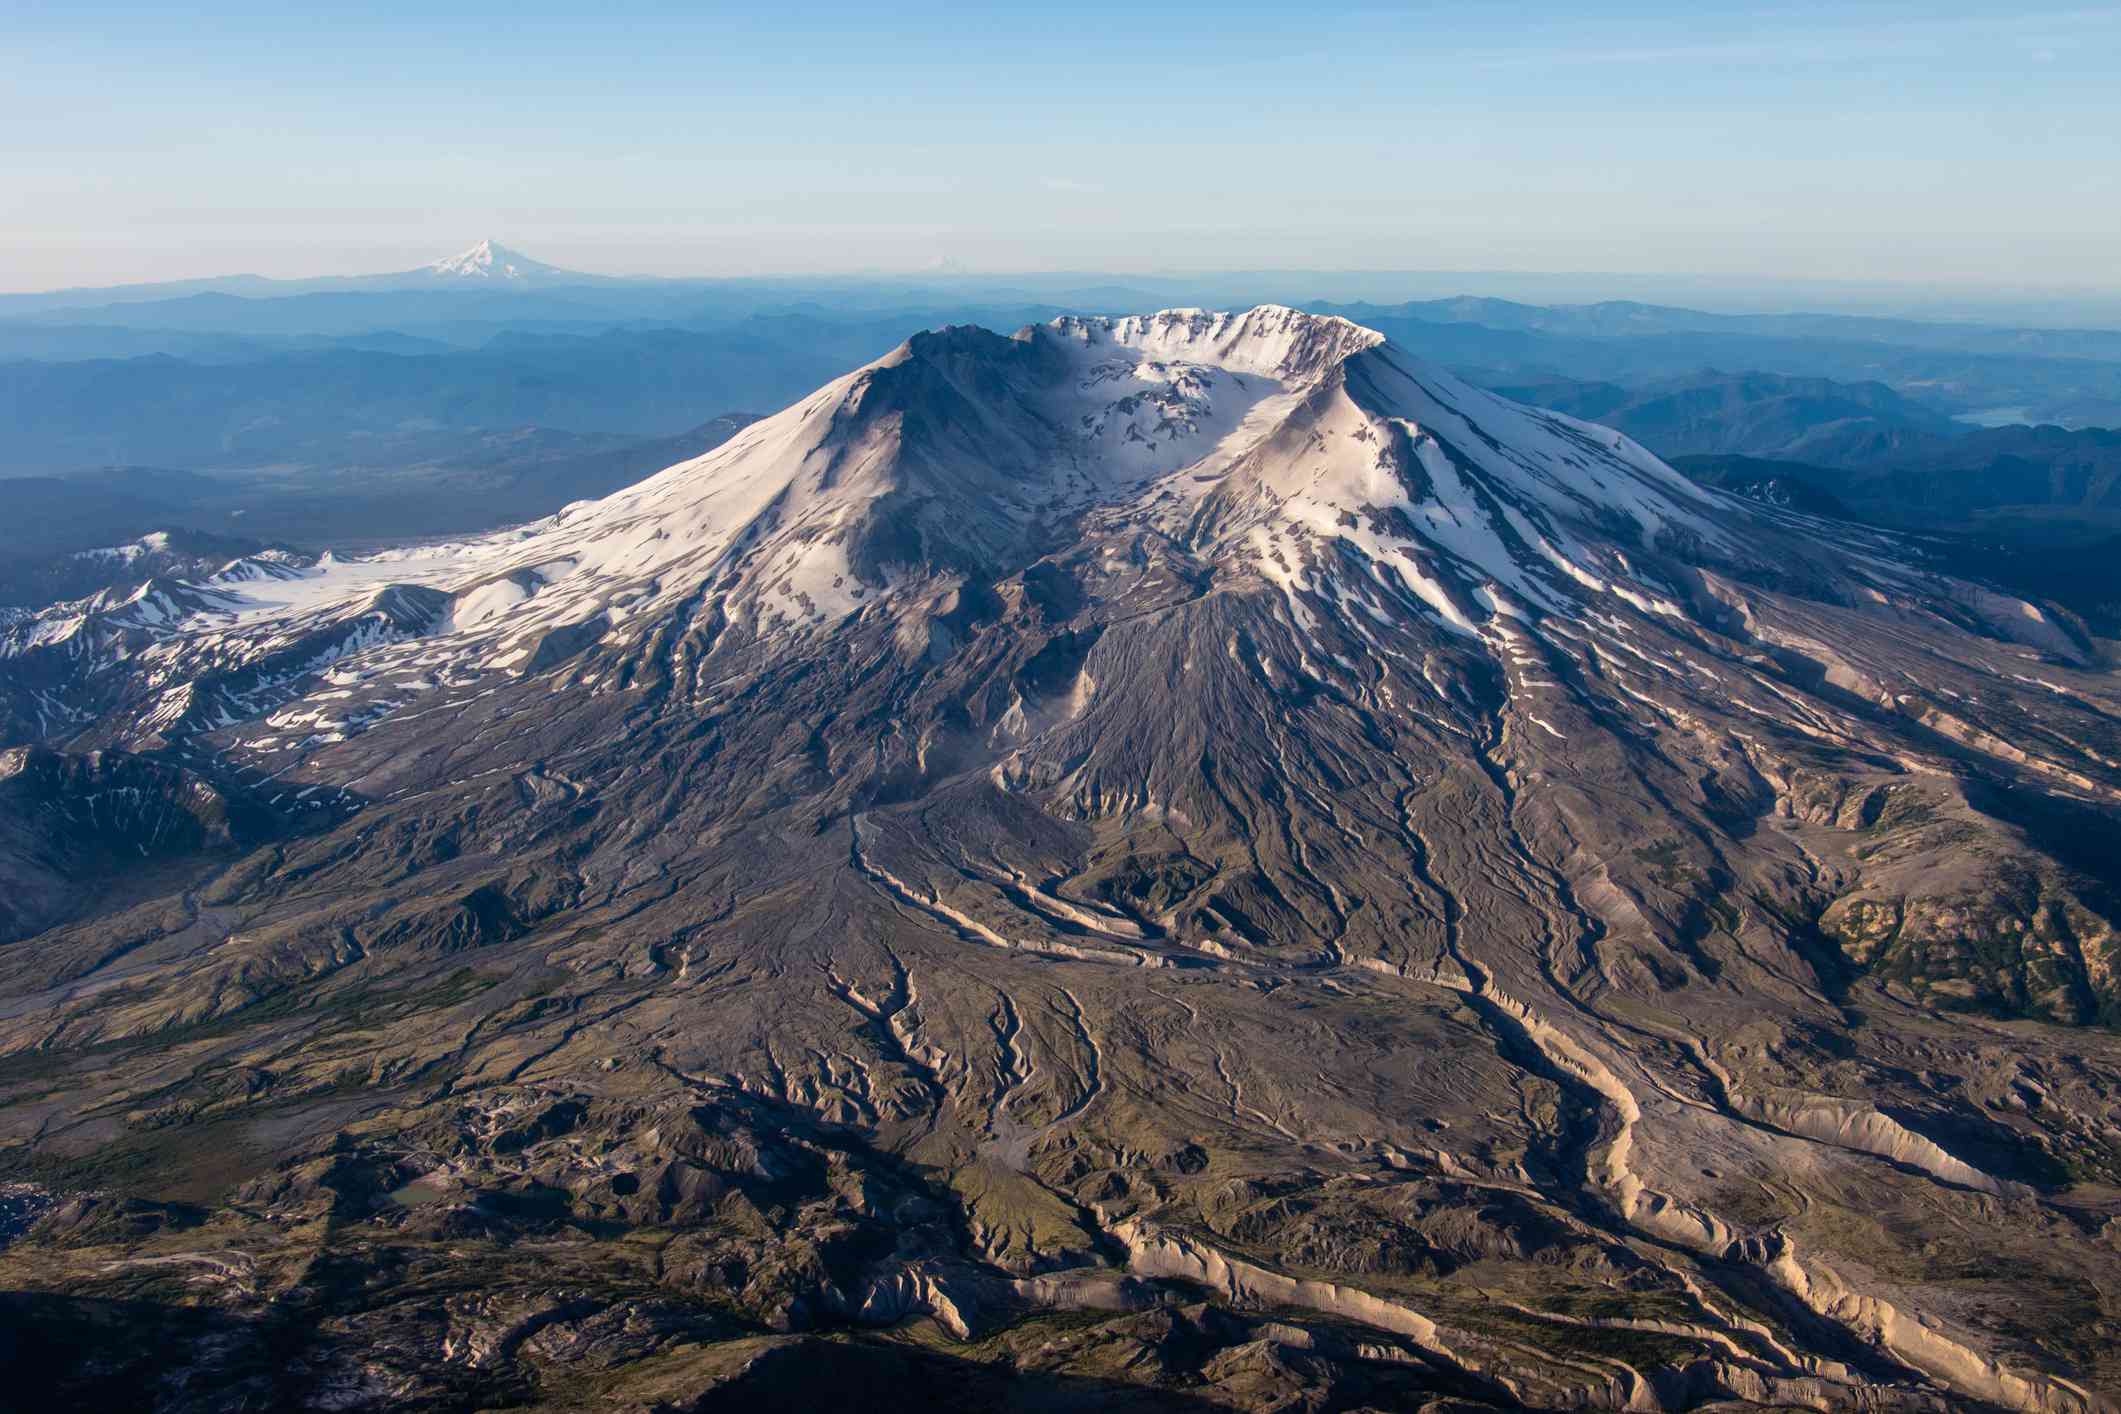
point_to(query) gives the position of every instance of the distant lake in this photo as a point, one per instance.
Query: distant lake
(1995, 417)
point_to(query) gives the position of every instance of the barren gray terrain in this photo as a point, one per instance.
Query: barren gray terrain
(1188, 862)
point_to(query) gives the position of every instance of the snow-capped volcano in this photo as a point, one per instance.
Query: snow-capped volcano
(1207, 790)
(1300, 453)
(492, 261)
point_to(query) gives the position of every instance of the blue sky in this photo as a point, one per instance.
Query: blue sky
(1859, 141)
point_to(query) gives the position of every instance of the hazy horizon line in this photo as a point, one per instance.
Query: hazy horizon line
(954, 271)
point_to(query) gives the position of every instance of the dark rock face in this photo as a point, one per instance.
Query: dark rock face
(77, 828)
(1189, 862)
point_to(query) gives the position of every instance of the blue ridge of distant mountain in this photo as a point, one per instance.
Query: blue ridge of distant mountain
(356, 401)
(490, 269)
(1987, 369)
(2066, 477)
(1628, 319)
(1751, 414)
(353, 398)
(487, 265)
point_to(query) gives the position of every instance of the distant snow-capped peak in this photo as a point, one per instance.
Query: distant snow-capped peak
(490, 260)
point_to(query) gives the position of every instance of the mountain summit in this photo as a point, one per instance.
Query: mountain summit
(1195, 845)
(490, 260)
